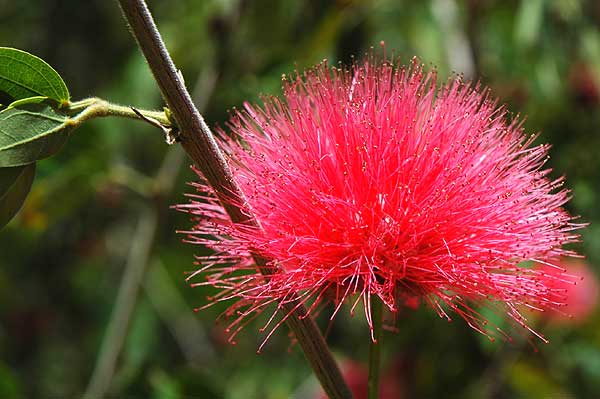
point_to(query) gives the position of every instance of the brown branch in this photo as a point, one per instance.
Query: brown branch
(199, 143)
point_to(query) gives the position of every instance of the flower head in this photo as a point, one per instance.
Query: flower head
(372, 181)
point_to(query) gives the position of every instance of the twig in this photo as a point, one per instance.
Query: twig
(135, 270)
(199, 143)
(170, 305)
(94, 107)
(126, 299)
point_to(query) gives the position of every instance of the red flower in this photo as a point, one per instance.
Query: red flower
(373, 181)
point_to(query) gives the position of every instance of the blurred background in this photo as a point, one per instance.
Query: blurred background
(92, 291)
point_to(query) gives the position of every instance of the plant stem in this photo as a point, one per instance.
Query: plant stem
(199, 142)
(96, 108)
(375, 347)
(116, 332)
(168, 302)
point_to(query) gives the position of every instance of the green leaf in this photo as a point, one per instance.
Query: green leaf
(28, 100)
(8, 176)
(15, 184)
(30, 132)
(24, 75)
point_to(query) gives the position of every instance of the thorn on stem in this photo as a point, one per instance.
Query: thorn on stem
(171, 133)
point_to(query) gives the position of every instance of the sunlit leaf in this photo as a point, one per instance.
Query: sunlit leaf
(28, 100)
(24, 75)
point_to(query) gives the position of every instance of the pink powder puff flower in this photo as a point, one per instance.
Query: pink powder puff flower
(372, 181)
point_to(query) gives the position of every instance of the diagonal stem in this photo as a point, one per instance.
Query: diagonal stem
(199, 142)
(116, 332)
(375, 347)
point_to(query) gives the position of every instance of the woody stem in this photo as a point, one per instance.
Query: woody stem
(200, 144)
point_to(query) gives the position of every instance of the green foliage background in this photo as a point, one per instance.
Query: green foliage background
(63, 257)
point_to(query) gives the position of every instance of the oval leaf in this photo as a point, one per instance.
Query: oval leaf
(28, 100)
(24, 75)
(8, 176)
(12, 198)
(30, 132)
